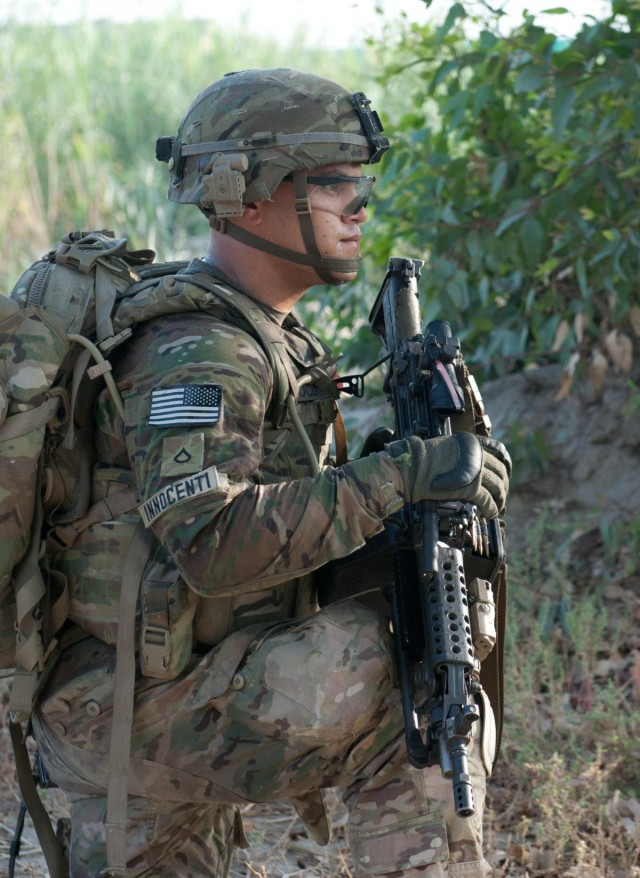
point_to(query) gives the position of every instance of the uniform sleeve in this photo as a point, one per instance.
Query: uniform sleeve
(200, 482)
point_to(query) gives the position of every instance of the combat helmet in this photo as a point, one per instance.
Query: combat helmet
(247, 132)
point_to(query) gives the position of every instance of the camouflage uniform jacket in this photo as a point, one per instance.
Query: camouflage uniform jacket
(240, 518)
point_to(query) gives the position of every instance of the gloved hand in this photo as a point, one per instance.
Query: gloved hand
(458, 467)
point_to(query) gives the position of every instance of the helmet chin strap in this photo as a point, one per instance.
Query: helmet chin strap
(326, 267)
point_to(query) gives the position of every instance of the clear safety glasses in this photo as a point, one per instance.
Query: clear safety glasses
(343, 195)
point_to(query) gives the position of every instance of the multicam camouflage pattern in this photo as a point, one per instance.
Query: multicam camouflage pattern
(279, 528)
(33, 349)
(245, 110)
(53, 297)
(272, 714)
(289, 700)
(165, 838)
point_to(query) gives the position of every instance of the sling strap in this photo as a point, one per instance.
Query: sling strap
(51, 847)
(121, 725)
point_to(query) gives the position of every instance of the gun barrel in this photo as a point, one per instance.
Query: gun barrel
(461, 780)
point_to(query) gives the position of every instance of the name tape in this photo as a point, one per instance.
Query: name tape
(177, 492)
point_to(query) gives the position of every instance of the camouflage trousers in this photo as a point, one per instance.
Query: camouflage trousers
(303, 706)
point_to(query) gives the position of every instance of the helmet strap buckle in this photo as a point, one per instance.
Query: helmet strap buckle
(303, 206)
(218, 225)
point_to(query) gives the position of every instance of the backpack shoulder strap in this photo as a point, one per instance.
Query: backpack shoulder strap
(273, 343)
(193, 288)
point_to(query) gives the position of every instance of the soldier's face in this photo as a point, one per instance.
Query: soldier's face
(337, 212)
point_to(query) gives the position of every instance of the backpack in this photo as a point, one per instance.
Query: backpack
(63, 298)
(54, 321)
(53, 324)
(58, 326)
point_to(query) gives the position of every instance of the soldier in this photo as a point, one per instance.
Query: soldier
(245, 691)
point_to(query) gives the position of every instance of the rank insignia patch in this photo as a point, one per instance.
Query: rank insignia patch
(182, 454)
(186, 405)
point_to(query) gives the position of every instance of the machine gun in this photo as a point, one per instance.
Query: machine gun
(442, 627)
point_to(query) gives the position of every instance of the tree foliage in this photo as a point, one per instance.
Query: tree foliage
(515, 174)
(514, 169)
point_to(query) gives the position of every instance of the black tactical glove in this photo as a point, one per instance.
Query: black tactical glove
(458, 467)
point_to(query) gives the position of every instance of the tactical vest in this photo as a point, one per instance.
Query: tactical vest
(171, 620)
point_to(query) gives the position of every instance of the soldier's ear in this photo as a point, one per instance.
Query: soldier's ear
(252, 215)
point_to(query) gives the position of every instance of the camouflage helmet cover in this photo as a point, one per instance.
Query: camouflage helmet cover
(268, 124)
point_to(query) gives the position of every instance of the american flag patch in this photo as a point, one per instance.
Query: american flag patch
(185, 405)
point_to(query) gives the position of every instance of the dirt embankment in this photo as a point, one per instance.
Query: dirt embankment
(579, 454)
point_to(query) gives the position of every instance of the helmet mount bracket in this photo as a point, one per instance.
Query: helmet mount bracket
(224, 186)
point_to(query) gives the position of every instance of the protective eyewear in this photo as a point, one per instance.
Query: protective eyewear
(351, 193)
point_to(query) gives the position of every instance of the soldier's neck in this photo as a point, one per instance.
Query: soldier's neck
(267, 278)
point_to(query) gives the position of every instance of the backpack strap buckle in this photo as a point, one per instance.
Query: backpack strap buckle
(155, 650)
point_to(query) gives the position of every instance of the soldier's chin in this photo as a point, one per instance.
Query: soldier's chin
(343, 277)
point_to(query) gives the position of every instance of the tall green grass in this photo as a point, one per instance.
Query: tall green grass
(81, 107)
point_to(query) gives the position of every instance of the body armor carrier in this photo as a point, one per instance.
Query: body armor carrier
(172, 620)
